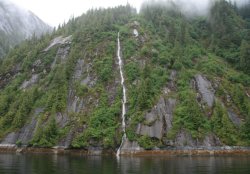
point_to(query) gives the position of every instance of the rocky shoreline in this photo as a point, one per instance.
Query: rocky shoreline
(171, 151)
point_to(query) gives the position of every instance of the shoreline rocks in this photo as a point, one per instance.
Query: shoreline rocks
(168, 151)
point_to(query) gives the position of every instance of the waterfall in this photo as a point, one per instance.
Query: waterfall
(124, 100)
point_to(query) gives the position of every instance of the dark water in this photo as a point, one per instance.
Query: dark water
(66, 164)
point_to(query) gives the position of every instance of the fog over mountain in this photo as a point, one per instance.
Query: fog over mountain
(17, 24)
(193, 7)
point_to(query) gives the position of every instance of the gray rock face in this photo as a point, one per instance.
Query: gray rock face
(234, 118)
(205, 89)
(211, 140)
(11, 138)
(171, 85)
(30, 82)
(63, 50)
(170, 105)
(59, 41)
(27, 131)
(75, 105)
(65, 142)
(248, 95)
(25, 134)
(183, 138)
(61, 119)
(130, 147)
(79, 69)
(152, 131)
(82, 73)
(61, 55)
(159, 120)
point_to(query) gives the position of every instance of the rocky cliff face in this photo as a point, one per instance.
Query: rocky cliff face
(18, 24)
(25, 134)
(64, 90)
(205, 90)
(157, 122)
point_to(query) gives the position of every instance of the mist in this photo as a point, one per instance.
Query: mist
(241, 3)
(192, 7)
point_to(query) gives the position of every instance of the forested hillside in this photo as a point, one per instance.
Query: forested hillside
(187, 81)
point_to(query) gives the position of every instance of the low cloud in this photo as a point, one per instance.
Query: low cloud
(194, 7)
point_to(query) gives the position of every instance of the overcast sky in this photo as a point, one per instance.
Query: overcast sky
(55, 12)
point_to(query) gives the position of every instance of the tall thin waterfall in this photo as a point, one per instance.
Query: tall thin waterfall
(124, 101)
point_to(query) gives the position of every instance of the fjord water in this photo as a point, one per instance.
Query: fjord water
(72, 164)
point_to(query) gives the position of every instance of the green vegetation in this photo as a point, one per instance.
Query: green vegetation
(102, 124)
(148, 143)
(189, 115)
(223, 127)
(47, 136)
(80, 79)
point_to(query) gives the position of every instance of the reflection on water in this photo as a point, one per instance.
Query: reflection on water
(67, 164)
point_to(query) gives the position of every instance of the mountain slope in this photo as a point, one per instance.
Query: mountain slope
(67, 91)
(16, 25)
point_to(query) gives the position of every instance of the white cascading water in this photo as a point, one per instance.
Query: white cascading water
(124, 101)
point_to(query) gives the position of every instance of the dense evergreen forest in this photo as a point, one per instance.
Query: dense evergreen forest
(64, 88)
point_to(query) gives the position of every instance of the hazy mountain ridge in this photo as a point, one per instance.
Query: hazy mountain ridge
(17, 24)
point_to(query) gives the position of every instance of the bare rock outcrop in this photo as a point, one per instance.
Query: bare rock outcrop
(205, 89)
(234, 118)
(159, 120)
(25, 134)
(60, 40)
(129, 147)
(61, 119)
(66, 142)
(30, 82)
(61, 55)
(184, 138)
